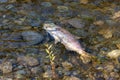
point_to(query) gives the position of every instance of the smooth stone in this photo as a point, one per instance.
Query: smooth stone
(67, 65)
(114, 54)
(3, 1)
(6, 67)
(75, 22)
(46, 4)
(26, 60)
(62, 8)
(32, 37)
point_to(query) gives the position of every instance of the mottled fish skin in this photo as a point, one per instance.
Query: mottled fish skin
(67, 39)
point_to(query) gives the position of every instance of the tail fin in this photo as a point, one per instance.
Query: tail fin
(85, 57)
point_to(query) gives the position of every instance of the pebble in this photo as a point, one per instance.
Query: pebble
(20, 74)
(10, 6)
(118, 46)
(116, 15)
(48, 74)
(62, 8)
(76, 22)
(46, 4)
(99, 22)
(27, 60)
(32, 37)
(114, 54)
(36, 70)
(6, 67)
(67, 65)
(84, 1)
(109, 67)
(3, 1)
(107, 33)
(71, 78)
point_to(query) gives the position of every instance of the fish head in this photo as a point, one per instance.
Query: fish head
(49, 27)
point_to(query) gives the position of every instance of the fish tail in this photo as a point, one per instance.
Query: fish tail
(85, 57)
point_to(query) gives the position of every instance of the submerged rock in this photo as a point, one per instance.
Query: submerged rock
(114, 54)
(75, 22)
(6, 67)
(46, 4)
(62, 8)
(48, 74)
(67, 65)
(71, 78)
(32, 37)
(3, 1)
(26, 60)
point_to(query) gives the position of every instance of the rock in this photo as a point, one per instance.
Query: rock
(58, 2)
(67, 65)
(36, 70)
(110, 22)
(48, 74)
(107, 33)
(46, 4)
(47, 11)
(99, 22)
(32, 37)
(10, 6)
(118, 45)
(20, 74)
(114, 54)
(3, 1)
(109, 67)
(6, 67)
(26, 60)
(62, 8)
(116, 15)
(75, 22)
(71, 78)
(35, 23)
(84, 1)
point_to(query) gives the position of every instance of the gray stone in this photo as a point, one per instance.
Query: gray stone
(75, 22)
(3, 1)
(26, 60)
(6, 67)
(32, 37)
(114, 54)
(46, 4)
(62, 8)
(67, 65)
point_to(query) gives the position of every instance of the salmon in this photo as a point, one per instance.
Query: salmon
(67, 39)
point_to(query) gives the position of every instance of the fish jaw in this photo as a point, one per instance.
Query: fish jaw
(49, 26)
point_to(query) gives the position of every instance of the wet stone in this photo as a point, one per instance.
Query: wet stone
(75, 22)
(48, 74)
(3, 1)
(84, 1)
(62, 8)
(26, 60)
(67, 65)
(20, 74)
(36, 70)
(46, 4)
(6, 67)
(114, 54)
(107, 33)
(47, 11)
(71, 78)
(32, 37)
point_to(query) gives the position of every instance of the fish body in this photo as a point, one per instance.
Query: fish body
(67, 39)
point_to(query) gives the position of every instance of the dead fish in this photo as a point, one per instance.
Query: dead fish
(67, 39)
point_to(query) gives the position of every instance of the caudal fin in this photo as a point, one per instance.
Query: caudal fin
(85, 57)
